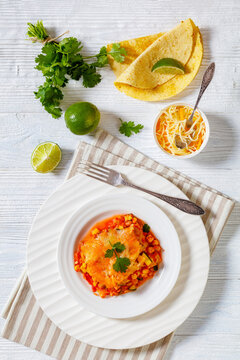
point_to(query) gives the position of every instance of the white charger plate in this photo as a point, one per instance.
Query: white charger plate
(153, 291)
(65, 311)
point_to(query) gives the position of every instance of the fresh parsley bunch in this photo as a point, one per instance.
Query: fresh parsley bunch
(61, 61)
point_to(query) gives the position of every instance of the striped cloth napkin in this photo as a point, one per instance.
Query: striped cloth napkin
(27, 324)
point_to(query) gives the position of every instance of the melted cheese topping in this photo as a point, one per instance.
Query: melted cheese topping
(140, 247)
(101, 268)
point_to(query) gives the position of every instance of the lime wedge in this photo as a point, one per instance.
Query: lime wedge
(168, 66)
(45, 157)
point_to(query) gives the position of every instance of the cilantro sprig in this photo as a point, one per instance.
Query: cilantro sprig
(61, 61)
(128, 128)
(121, 263)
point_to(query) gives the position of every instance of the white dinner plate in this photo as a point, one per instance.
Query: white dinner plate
(148, 295)
(65, 311)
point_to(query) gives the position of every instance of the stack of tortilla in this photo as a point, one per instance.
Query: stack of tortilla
(134, 75)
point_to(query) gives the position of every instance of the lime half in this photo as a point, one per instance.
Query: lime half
(168, 66)
(45, 157)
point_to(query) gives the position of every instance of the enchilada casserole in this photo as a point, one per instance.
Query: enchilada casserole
(118, 255)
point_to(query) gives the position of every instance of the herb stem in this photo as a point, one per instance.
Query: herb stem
(89, 57)
(113, 249)
(93, 56)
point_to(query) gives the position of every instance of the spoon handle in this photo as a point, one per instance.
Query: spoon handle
(207, 78)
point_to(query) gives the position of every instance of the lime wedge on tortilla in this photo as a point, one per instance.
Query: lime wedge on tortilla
(168, 66)
(45, 157)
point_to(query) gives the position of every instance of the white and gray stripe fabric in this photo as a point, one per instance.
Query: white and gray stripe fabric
(27, 324)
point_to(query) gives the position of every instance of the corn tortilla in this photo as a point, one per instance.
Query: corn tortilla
(176, 44)
(169, 88)
(134, 48)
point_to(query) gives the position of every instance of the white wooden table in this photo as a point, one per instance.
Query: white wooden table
(213, 330)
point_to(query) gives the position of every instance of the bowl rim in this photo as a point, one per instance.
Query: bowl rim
(71, 239)
(205, 141)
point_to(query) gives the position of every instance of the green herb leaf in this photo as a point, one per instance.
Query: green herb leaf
(118, 247)
(146, 228)
(118, 52)
(109, 253)
(102, 58)
(76, 69)
(47, 58)
(121, 264)
(70, 45)
(90, 77)
(50, 97)
(128, 128)
(55, 111)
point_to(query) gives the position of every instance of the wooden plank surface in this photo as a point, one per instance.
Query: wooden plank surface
(213, 330)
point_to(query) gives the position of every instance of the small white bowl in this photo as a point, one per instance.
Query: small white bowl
(149, 295)
(204, 117)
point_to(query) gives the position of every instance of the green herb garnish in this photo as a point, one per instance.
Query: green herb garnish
(128, 128)
(118, 53)
(121, 264)
(61, 61)
(146, 228)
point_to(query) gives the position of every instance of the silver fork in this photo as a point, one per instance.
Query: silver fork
(112, 177)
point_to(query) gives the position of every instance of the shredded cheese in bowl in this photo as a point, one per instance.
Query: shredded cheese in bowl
(171, 125)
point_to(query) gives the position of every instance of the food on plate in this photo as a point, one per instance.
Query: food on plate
(134, 75)
(168, 66)
(127, 128)
(45, 157)
(82, 118)
(118, 255)
(62, 60)
(171, 124)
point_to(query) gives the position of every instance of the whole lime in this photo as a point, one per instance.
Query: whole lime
(81, 118)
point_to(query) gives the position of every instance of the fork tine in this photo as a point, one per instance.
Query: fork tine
(101, 171)
(104, 175)
(95, 177)
(99, 167)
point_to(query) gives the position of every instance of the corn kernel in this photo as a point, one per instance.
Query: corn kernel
(83, 268)
(128, 217)
(155, 242)
(134, 276)
(120, 227)
(150, 250)
(150, 238)
(95, 231)
(134, 220)
(77, 268)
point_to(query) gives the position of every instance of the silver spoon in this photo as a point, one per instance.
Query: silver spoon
(207, 78)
